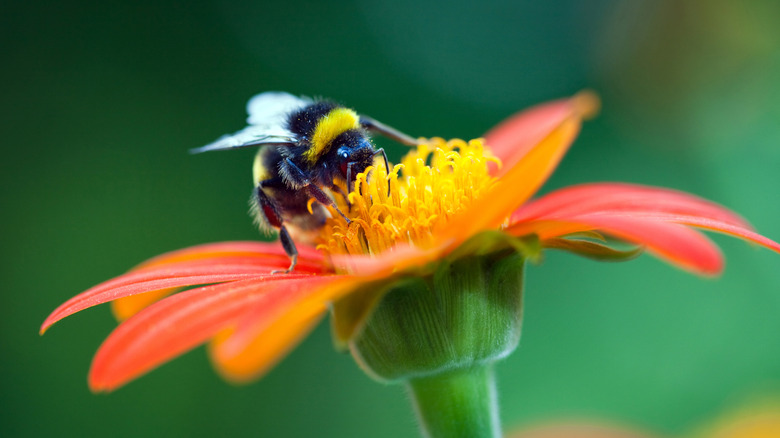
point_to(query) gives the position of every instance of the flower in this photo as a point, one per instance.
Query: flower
(579, 429)
(758, 420)
(445, 200)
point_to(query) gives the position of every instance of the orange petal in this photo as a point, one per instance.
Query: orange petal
(568, 429)
(266, 250)
(755, 421)
(402, 257)
(126, 307)
(675, 243)
(180, 322)
(515, 137)
(719, 226)
(267, 332)
(548, 228)
(276, 341)
(622, 198)
(517, 184)
(638, 202)
(152, 279)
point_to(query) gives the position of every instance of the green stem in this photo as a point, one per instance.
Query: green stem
(457, 403)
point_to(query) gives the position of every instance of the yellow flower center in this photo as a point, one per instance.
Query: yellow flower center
(432, 184)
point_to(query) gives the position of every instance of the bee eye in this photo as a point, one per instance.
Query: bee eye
(343, 155)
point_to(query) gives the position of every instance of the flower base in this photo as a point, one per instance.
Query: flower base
(440, 335)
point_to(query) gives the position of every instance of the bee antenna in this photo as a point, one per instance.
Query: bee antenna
(384, 157)
(387, 165)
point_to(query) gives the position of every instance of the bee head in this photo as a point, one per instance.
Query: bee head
(354, 157)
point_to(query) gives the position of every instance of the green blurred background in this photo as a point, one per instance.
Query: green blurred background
(101, 101)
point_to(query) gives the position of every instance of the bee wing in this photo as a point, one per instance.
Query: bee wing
(267, 120)
(272, 107)
(249, 136)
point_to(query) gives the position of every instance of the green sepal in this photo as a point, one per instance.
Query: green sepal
(349, 314)
(587, 234)
(493, 241)
(467, 313)
(593, 250)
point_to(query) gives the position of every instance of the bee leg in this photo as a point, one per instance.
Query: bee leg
(289, 248)
(271, 212)
(337, 189)
(378, 127)
(295, 174)
(323, 198)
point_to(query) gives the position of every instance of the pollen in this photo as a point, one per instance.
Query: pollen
(433, 183)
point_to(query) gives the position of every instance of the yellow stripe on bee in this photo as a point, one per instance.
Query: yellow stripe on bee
(259, 171)
(335, 123)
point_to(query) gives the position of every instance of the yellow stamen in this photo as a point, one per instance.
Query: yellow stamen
(434, 182)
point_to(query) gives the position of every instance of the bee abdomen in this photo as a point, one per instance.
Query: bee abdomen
(304, 121)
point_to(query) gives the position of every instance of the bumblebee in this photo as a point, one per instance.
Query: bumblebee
(308, 147)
